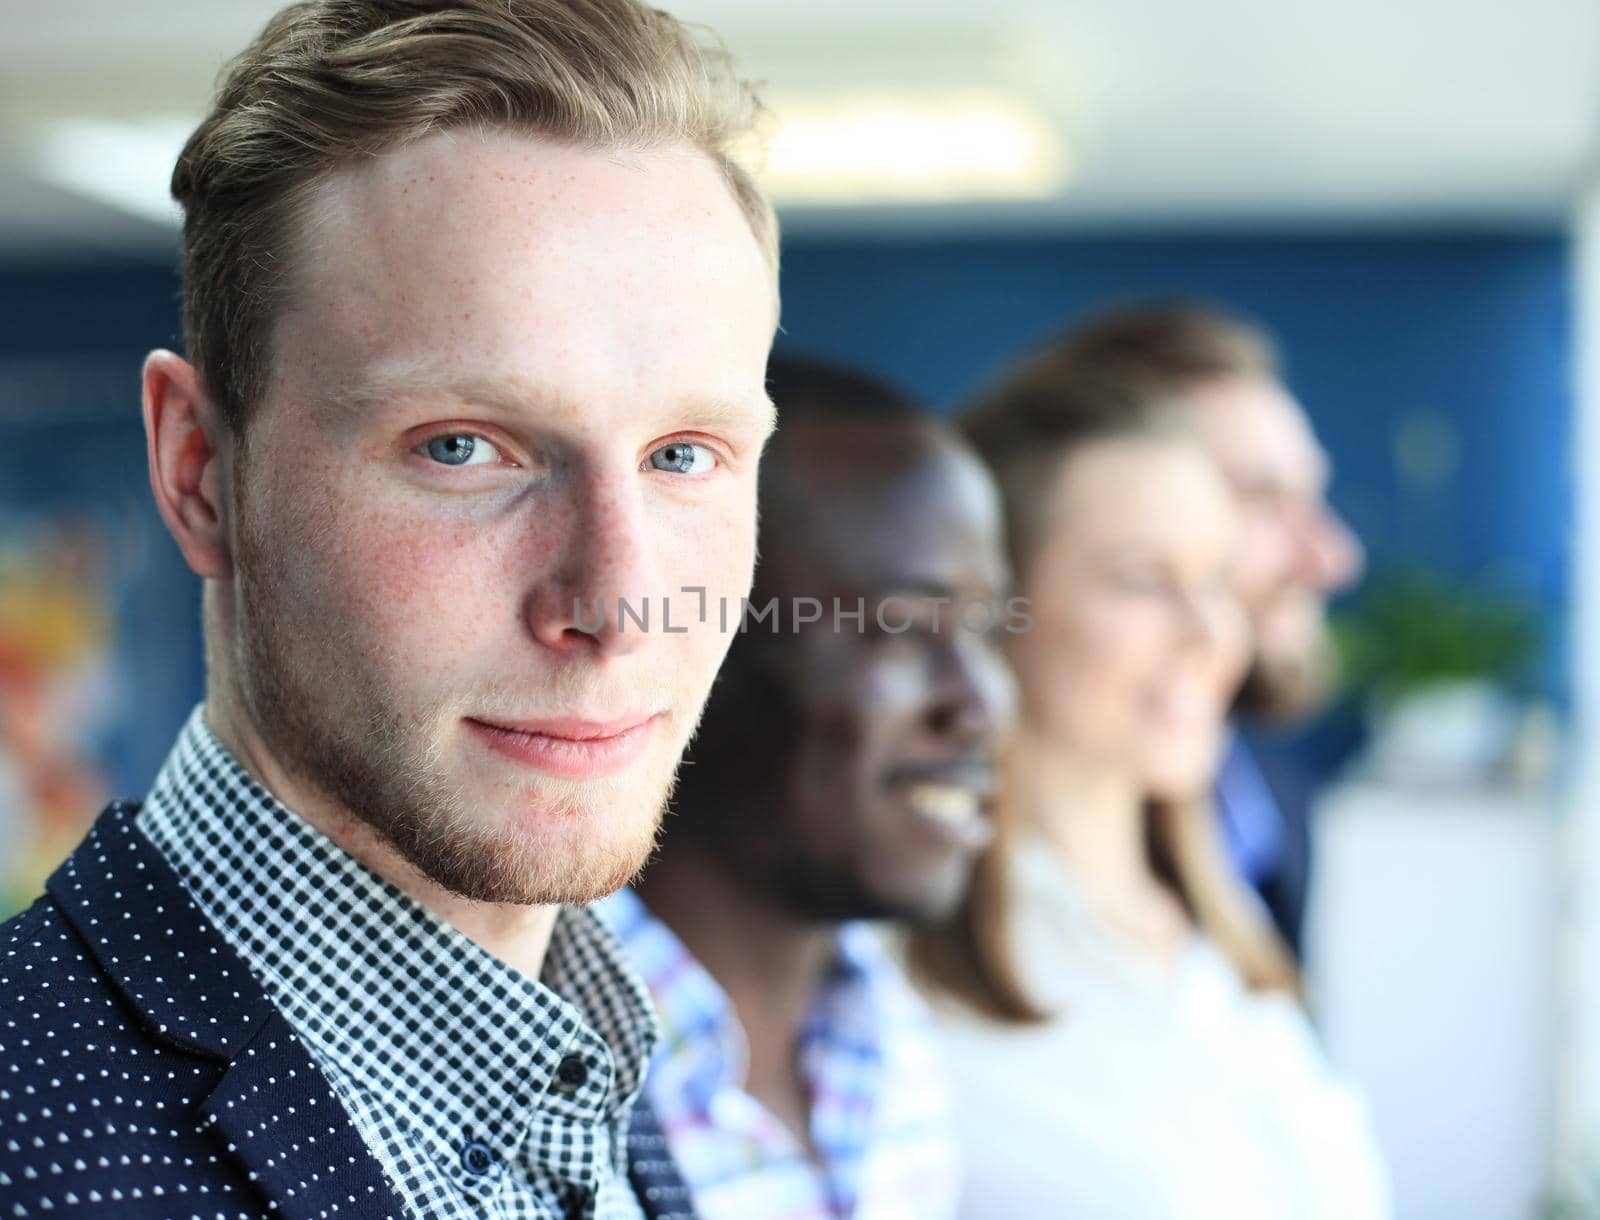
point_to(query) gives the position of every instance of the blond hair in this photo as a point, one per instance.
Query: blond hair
(328, 81)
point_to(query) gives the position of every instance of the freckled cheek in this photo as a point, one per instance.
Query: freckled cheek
(413, 583)
(712, 548)
(723, 536)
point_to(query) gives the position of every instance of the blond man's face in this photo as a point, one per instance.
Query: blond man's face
(1294, 551)
(518, 384)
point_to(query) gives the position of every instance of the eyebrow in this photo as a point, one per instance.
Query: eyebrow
(512, 394)
(716, 412)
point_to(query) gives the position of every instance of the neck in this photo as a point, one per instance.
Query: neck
(769, 961)
(517, 935)
(1091, 812)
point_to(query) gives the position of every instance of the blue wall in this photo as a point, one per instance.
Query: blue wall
(1468, 331)
(1460, 342)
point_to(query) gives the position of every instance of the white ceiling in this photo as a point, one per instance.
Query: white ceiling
(1173, 111)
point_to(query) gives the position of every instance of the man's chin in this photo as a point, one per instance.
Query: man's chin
(568, 846)
(541, 870)
(1286, 689)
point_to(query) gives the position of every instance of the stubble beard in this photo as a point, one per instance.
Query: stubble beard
(337, 730)
(1286, 689)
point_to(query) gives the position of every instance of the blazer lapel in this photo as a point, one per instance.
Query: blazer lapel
(281, 1121)
(273, 1109)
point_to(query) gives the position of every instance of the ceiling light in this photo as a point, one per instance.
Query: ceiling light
(125, 164)
(845, 149)
(868, 148)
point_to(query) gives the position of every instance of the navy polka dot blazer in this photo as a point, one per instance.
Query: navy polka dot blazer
(145, 1075)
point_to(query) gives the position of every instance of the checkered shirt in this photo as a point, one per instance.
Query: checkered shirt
(482, 1092)
(881, 1119)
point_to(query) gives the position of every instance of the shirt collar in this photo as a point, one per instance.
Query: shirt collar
(703, 1046)
(863, 1016)
(385, 993)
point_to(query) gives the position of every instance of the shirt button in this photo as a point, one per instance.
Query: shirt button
(572, 1073)
(476, 1158)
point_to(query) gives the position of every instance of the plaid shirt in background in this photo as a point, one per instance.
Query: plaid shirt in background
(880, 1115)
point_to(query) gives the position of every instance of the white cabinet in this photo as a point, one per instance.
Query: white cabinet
(1432, 953)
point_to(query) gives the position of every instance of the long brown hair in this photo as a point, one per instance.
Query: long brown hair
(1068, 395)
(1188, 853)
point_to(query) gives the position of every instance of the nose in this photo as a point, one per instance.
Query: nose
(1331, 556)
(974, 698)
(600, 594)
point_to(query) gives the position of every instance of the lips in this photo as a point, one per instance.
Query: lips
(573, 728)
(952, 800)
(569, 747)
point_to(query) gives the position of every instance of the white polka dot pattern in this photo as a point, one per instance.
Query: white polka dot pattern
(145, 1074)
(142, 1071)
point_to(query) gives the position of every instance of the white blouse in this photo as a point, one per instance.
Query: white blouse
(1155, 1093)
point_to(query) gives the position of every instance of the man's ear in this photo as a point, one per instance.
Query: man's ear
(187, 443)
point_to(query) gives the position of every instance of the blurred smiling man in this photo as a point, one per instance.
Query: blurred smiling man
(844, 774)
(477, 310)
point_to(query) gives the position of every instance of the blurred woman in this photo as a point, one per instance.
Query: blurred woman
(1123, 1022)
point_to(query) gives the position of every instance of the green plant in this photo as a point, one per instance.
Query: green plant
(1413, 628)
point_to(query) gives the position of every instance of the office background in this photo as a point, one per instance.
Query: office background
(1404, 194)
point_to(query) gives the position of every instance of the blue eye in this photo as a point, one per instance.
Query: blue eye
(461, 449)
(680, 457)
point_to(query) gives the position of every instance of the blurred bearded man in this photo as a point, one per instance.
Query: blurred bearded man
(1294, 552)
(477, 309)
